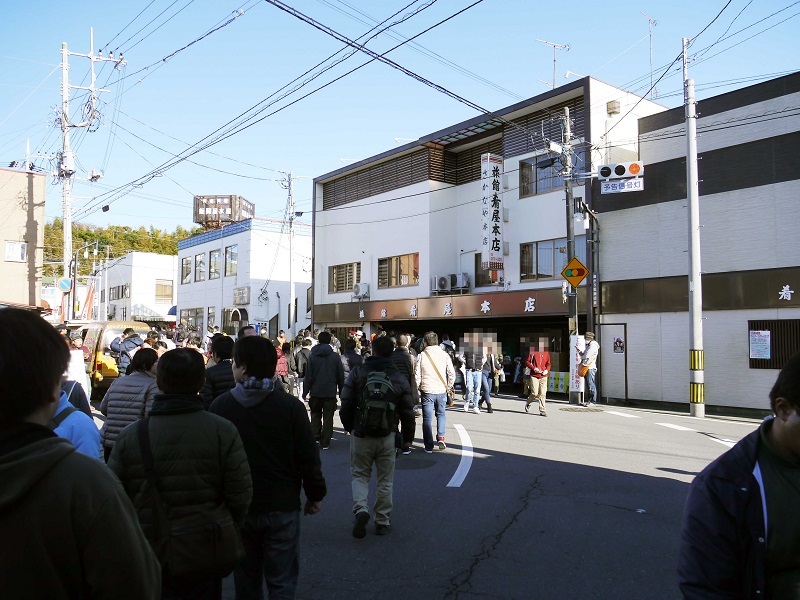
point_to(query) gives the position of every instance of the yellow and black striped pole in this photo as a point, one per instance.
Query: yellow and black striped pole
(696, 376)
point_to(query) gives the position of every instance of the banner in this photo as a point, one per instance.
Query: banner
(491, 212)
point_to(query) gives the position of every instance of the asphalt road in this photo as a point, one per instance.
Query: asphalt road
(581, 504)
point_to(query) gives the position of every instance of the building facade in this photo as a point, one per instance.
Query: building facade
(749, 171)
(239, 275)
(408, 226)
(22, 198)
(139, 286)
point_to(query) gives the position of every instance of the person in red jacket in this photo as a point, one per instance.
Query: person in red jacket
(539, 363)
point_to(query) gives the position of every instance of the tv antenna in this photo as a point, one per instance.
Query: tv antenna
(651, 23)
(556, 48)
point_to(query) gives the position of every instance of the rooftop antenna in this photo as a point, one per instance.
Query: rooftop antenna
(556, 48)
(651, 23)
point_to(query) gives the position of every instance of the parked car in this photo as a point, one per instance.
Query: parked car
(99, 360)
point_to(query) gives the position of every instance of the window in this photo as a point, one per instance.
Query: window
(484, 277)
(193, 318)
(231, 259)
(535, 179)
(342, 278)
(163, 290)
(186, 270)
(212, 312)
(200, 267)
(398, 270)
(213, 264)
(547, 258)
(309, 299)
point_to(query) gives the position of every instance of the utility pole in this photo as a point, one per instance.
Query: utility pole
(66, 166)
(696, 353)
(291, 257)
(572, 295)
(651, 23)
(556, 48)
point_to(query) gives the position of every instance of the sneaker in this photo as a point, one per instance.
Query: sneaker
(360, 524)
(325, 447)
(428, 451)
(527, 406)
(407, 451)
(476, 410)
(442, 445)
(382, 528)
(542, 414)
(489, 409)
(591, 405)
(466, 406)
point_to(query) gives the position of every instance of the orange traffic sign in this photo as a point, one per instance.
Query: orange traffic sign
(575, 272)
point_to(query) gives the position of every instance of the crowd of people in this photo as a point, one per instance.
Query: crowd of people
(212, 445)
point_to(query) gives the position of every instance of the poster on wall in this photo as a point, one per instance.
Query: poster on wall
(619, 345)
(760, 345)
(491, 212)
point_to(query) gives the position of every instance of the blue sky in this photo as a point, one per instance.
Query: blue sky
(488, 54)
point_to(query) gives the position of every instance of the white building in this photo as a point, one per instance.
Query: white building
(139, 286)
(749, 171)
(239, 275)
(408, 223)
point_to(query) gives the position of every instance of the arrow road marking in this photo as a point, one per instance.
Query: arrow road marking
(466, 458)
(620, 414)
(671, 426)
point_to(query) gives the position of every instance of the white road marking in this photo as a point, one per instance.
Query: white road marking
(466, 458)
(723, 441)
(621, 414)
(671, 426)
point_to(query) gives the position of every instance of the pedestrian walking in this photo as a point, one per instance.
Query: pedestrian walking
(130, 398)
(434, 375)
(589, 359)
(219, 377)
(324, 379)
(126, 345)
(66, 525)
(740, 536)
(74, 425)
(474, 358)
(187, 473)
(375, 396)
(405, 363)
(538, 363)
(283, 458)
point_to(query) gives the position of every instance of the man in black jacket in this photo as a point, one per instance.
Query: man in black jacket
(404, 362)
(283, 457)
(219, 378)
(324, 379)
(125, 344)
(366, 450)
(740, 536)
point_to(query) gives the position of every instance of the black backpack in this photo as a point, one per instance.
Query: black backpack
(453, 356)
(377, 405)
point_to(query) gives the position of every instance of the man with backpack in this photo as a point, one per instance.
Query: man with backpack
(374, 397)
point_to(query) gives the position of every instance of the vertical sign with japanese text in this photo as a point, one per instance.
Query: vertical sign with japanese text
(491, 212)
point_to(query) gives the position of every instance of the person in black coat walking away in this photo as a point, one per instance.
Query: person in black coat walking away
(404, 362)
(350, 358)
(219, 378)
(283, 458)
(324, 379)
(370, 446)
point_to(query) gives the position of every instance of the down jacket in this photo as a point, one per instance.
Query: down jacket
(324, 373)
(128, 400)
(198, 458)
(219, 379)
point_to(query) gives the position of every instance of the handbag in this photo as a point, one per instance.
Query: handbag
(583, 370)
(451, 395)
(210, 545)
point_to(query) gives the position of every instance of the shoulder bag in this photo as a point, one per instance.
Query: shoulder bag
(450, 393)
(209, 546)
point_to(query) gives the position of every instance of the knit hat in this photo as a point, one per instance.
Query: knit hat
(589, 335)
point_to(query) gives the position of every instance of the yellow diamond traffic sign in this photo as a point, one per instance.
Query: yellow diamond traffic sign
(575, 272)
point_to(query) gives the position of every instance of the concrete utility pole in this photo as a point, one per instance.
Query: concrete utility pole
(572, 295)
(556, 48)
(696, 353)
(291, 258)
(66, 167)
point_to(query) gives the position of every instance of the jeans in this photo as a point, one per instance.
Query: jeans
(487, 387)
(322, 410)
(271, 543)
(433, 404)
(591, 384)
(364, 452)
(473, 387)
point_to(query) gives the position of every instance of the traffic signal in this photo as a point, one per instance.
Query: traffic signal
(621, 170)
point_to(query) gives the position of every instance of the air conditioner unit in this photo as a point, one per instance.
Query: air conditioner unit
(361, 290)
(459, 280)
(444, 283)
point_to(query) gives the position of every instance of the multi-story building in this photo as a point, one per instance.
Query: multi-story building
(749, 171)
(399, 237)
(22, 196)
(139, 286)
(239, 275)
